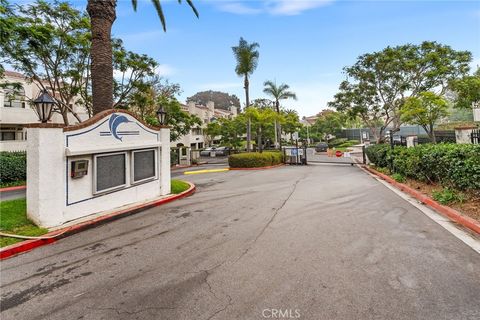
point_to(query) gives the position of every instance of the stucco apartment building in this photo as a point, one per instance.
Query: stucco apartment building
(16, 111)
(196, 138)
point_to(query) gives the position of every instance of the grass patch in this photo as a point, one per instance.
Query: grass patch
(12, 184)
(13, 219)
(398, 177)
(448, 196)
(178, 186)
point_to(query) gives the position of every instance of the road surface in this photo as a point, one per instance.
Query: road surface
(315, 242)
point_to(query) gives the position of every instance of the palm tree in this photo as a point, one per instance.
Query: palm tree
(246, 55)
(278, 93)
(102, 15)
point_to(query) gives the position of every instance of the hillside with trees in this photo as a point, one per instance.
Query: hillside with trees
(222, 100)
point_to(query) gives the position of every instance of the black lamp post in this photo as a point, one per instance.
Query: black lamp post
(162, 115)
(44, 106)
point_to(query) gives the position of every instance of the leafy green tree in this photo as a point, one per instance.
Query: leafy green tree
(290, 122)
(143, 98)
(132, 69)
(102, 15)
(329, 123)
(212, 130)
(49, 44)
(278, 93)
(386, 78)
(467, 91)
(231, 131)
(425, 110)
(262, 120)
(180, 122)
(222, 100)
(246, 55)
(360, 100)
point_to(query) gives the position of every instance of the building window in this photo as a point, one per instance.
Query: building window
(109, 172)
(7, 136)
(144, 165)
(197, 131)
(14, 96)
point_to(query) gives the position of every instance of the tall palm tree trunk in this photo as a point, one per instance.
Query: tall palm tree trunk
(249, 123)
(278, 126)
(102, 15)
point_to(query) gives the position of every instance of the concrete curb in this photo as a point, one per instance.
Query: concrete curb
(448, 212)
(259, 168)
(28, 245)
(13, 188)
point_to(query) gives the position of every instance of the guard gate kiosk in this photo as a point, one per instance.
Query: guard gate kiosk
(109, 161)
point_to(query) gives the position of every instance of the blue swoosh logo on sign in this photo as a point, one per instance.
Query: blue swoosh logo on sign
(113, 123)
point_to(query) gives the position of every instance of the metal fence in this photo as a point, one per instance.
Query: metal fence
(475, 136)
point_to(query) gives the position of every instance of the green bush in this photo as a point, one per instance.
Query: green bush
(398, 177)
(447, 196)
(13, 166)
(452, 165)
(255, 159)
(336, 142)
(377, 154)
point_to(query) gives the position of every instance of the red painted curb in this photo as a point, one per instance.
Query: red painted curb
(13, 188)
(450, 213)
(259, 168)
(28, 245)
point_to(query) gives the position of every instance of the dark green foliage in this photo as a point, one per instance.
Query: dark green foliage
(336, 142)
(255, 160)
(398, 177)
(451, 165)
(13, 166)
(377, 154)
(447, 196)
(222, 100)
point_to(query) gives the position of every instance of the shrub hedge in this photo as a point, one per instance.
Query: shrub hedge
(13, 166)
(452, 165)
(255, 159)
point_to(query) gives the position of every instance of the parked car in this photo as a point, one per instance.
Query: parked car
(222, 151)
(206, 152)
(321, 147)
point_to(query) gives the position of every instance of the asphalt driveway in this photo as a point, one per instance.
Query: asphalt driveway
(315, 242)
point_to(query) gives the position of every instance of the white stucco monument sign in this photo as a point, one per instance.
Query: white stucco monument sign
(109, 161)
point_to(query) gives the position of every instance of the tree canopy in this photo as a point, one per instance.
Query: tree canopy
(379, 82)
(222, 100)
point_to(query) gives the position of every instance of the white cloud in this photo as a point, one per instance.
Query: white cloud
(220, 85)
(294, 7)
(273, 7)
(238, 8)
(165, 70)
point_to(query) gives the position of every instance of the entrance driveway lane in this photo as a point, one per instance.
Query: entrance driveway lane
(329, 241)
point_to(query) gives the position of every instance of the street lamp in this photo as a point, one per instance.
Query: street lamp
(162, 115)
(44, 106)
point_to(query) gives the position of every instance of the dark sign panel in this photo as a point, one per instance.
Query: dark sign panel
(143, 165)
(111, 171)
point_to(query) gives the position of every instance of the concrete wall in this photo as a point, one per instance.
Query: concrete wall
(54, 197)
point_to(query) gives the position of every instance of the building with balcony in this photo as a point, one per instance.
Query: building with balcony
(196, 138)
(16, 111)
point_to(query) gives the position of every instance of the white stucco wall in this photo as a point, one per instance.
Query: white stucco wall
(54, 197)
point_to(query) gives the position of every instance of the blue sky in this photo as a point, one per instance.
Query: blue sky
(303, 43)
